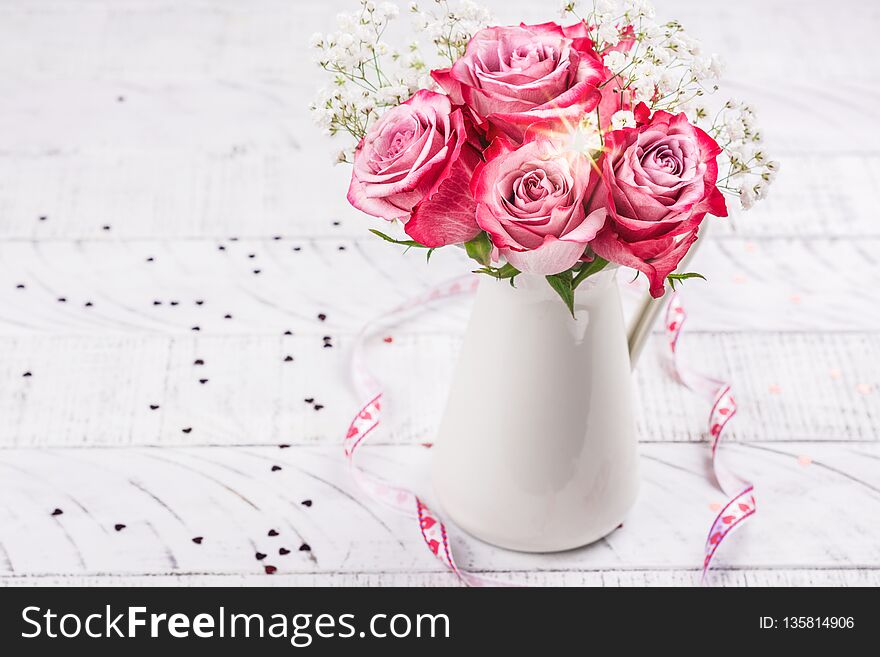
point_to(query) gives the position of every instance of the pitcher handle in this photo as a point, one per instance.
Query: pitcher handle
(649, 308)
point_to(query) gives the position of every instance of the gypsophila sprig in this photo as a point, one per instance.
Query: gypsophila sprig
(448, 25)
(368, 75)
(664, 67)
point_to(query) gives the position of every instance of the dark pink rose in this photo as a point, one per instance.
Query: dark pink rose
(530, 200)
(512, 77)
(658, 182)
(415, 165)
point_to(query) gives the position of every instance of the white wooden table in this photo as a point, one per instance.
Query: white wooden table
(159, 172)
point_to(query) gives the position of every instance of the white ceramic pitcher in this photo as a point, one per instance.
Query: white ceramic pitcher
(537, 449)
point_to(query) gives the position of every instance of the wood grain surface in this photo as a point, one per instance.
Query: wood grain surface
(172, 232)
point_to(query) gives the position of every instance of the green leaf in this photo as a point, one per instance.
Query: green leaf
(562, 284)
(388, 238)
(428, 255)
(480, 249)
(674, 278)
(588, 269)
(507, 271)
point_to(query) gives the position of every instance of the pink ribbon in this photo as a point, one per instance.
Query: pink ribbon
(740, 493)
(740, 506)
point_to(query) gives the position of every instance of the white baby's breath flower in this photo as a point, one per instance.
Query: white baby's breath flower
(615, 60)
(637, 8)
(623, 119)
(609, 34)
(747, 196)
(389, 10)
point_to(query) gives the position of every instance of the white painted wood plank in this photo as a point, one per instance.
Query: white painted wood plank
(630, 578)
(772, 285)
(99, 390)
(810, 517)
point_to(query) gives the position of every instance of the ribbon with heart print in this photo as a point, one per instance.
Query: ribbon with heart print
(740, 493)
(740, 506)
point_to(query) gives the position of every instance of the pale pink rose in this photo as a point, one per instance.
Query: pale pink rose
(530, 200)
(512, 77)
(415, 165)
(658, 182)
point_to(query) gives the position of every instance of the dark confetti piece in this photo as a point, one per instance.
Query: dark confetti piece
(276, 468)
(233, 239)
(327, 338)
(105, 227)
(42, 217)
(285, 333)
(187, 429)
(297, 248)
(157, 303)
(283, 446)
(150, 259)
(260, 556)
(288, 359)
(199, 302)
(27, 374)
(283, 551)
(221, 247)
(257, 271)
(196, 328)
(270, 570)
(306, 503)
(322, 316)
(309, 400)
(252, 255)
(120, 99)
(335, 223)
(318, 407)
(227, 316)
(62, 299)
(198, 540)
(20, 286)
(88, 304)
(119, 527)
(198, 361)
(341, 248)
(272, 532)
(57, 512)
(327, 345)
(203, 381)
(174, 303)
(276, 237)
(154, 407)
(305, 547)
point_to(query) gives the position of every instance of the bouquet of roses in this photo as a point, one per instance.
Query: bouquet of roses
(543, 149)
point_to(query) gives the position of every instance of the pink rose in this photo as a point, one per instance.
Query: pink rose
(658, 182)
(512, 77)
(530, 200)
(415, 165)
